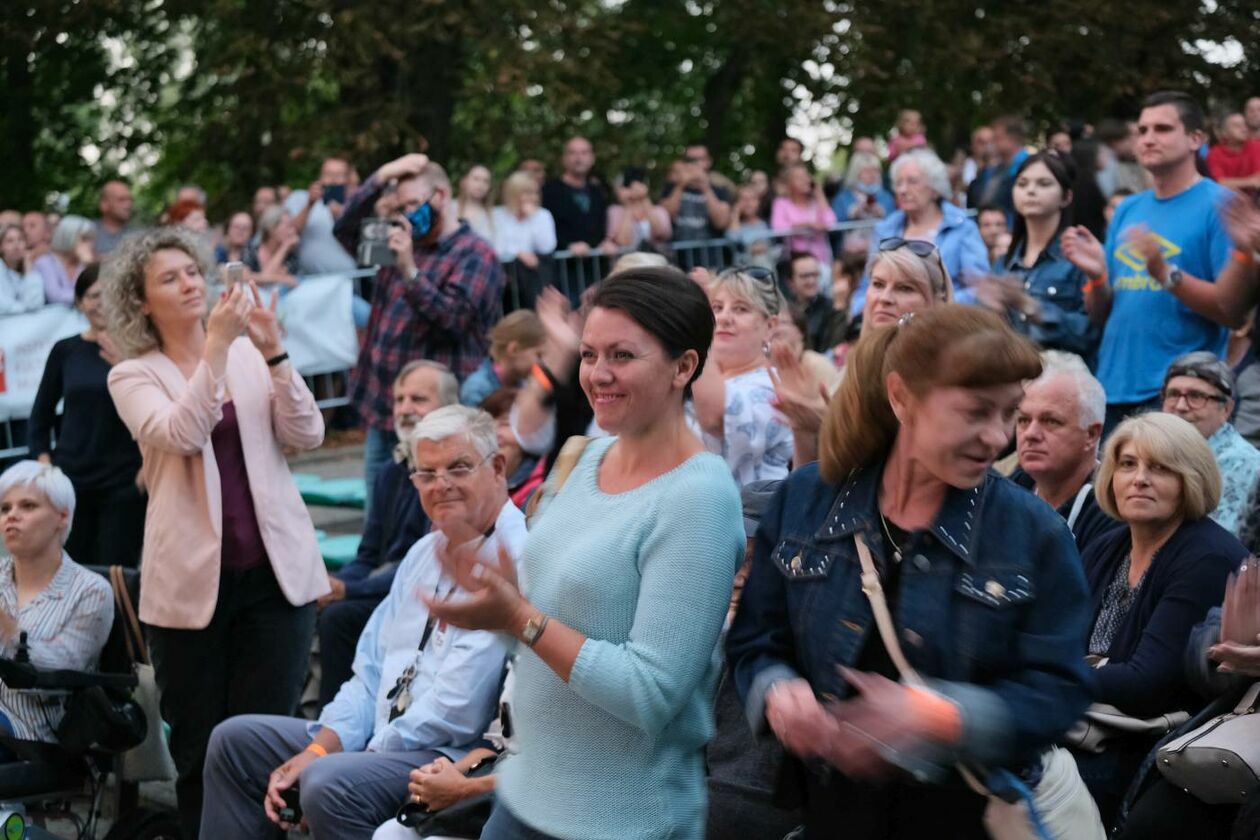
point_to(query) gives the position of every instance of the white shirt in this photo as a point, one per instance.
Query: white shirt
(456, 689)
(536, 234)
(20, 292)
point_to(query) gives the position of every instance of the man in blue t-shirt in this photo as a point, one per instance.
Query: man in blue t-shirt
(1157, 240)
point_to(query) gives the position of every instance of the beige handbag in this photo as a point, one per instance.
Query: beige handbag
(1217, 762)
(1064, 807)
(150, 760)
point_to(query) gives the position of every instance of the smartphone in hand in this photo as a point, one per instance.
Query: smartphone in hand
(234, 273)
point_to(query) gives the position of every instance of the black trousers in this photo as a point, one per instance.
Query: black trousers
(836, 807)
(340, 625)
(1165, 812)
(252, 659)
(108, 526)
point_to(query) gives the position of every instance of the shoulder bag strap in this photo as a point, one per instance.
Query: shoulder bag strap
(138, 650)
(566, 460)
(1247, 704)
(1079, 504)
(874, 591)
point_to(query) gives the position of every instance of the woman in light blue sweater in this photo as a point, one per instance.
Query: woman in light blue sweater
(628, 574)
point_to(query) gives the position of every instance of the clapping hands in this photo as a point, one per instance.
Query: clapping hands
(1238, 651)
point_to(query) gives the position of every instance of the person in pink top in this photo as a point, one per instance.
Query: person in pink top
(230, 569)
(803, 211)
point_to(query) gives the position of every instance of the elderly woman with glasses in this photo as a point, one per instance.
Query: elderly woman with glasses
(921, 185)
(1199, 388)
(1150, 583)
(734, 397)
(906, 276)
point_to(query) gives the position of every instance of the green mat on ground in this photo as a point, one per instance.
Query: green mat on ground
(331, 492)
(339, 550)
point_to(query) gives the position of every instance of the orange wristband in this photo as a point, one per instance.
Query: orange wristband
(1244, 257)
(940, 716)
(318, 749)
(541, 378)
(1096, 283)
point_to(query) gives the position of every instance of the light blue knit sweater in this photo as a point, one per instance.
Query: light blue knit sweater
(646, 576)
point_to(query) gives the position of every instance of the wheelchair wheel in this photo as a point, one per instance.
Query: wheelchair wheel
(143, 824)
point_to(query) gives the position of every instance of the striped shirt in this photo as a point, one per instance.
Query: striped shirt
(66, 626)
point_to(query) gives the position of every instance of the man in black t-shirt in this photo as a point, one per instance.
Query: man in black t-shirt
(698, 208)
(578, 202)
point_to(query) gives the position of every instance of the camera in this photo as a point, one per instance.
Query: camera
(374, 242)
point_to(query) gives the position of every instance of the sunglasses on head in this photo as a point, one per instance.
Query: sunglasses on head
(757, 272)
(918, 247)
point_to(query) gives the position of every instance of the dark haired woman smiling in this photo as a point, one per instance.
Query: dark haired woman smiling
(628, 573)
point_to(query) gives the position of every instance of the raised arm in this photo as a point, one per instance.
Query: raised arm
(183, 424)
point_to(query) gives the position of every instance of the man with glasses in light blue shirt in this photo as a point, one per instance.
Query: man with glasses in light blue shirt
(421, 687)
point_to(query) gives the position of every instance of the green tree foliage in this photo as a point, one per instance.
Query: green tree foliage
(231, 94)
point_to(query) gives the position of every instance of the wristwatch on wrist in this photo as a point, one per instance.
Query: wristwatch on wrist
(1174, 277)
(533, 629)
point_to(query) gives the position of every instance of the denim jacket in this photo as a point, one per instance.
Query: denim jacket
(1056, 285)
(991, 607)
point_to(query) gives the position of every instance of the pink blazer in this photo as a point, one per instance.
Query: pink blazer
(171, 419)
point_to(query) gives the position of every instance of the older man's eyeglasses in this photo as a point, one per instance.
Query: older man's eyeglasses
(456, 473)
(1194, 399)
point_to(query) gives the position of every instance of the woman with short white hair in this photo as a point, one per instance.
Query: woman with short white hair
(58, 609)
(73, 246)
(921, 186)
(863, 197)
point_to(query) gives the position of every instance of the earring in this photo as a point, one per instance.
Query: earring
(765, 348)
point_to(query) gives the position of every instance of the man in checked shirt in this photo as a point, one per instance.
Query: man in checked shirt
(437, 302)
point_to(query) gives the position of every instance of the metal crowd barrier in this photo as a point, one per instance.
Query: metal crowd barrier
(571, 273)
(574, 273)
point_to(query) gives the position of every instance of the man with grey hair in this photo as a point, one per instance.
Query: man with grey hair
(1057, 431)
(394, 521)
(421, 688)
(1199, 388)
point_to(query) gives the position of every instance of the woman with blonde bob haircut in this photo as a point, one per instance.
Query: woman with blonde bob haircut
(1150, 583)
(971, 566)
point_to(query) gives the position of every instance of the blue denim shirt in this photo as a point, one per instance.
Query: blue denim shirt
(958, 240)
(1056, 285)
(991, 606)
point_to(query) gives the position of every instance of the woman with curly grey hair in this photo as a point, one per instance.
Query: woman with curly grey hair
(230, 569)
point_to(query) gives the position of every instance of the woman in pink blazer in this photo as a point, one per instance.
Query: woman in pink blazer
(230, 569)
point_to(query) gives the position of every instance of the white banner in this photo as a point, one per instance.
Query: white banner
(319, 326)
(25, 342)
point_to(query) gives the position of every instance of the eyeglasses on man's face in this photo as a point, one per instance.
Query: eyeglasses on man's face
(1194, 398)
(455, 473)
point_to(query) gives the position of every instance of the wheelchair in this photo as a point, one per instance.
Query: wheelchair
(47, 781)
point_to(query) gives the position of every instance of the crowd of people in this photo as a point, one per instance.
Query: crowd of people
(952, 515)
